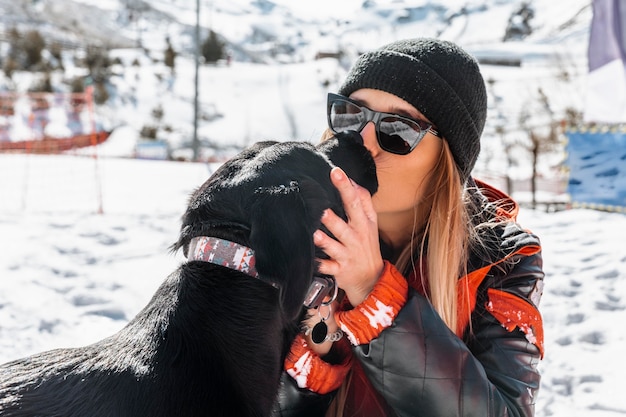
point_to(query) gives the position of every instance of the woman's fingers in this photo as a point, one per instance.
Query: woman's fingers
(368, 206)
(352, 246)
(357, 203)
(352, 201)
(331, 247)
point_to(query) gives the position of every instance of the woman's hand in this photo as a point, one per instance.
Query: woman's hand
(355, 259)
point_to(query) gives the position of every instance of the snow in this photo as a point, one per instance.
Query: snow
(85, 237)
(71, 276)
(583, 308)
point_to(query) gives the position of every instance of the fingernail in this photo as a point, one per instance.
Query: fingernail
(338, 174)
(317, 236)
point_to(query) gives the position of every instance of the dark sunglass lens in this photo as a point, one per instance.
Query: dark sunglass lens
(344, 116)
(398, 136)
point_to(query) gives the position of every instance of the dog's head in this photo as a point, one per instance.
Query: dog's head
(270, 198)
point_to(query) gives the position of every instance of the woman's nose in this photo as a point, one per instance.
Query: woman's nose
(368, 133)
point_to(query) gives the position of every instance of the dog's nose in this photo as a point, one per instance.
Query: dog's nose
(352, 135)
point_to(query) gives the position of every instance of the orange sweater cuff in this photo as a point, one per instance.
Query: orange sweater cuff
(378, 311)
(311, 372)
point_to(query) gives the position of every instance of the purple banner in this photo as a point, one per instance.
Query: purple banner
(607, 40)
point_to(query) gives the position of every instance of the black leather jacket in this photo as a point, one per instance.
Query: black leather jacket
(422, 368)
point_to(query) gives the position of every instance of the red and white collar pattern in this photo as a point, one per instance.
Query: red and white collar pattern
(225, 253)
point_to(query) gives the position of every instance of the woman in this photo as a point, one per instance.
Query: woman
(441, 284)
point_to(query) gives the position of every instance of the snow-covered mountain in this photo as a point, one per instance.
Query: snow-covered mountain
(275, 87)
(301, 27)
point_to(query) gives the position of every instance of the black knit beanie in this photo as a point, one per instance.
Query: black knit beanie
(439, 79)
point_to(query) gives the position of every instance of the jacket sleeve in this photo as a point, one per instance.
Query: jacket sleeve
(293, 401)
(309, 382)
(422, 368)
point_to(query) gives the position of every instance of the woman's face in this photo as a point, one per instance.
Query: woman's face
(404, 180)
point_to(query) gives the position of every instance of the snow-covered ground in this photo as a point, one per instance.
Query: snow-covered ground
(71, 276)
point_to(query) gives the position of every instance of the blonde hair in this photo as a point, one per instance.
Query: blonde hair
(440, 246)
(442, 243)
(437, 251)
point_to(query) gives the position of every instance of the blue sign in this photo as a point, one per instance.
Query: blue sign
(597, 164)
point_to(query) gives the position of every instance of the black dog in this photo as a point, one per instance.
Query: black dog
(212, 340)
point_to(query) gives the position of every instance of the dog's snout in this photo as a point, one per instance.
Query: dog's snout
(348, 151)
(352, 135)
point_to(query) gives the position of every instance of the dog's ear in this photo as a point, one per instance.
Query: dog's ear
(282, 222)
(202, 206)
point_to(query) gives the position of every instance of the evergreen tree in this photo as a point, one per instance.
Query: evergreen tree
(170, 56)
(25, 49)
(33, 45)
(9, 66)
(212, 48)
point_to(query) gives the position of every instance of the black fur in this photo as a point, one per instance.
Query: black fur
(212, 340)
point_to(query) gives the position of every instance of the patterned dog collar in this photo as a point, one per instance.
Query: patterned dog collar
(225, 253)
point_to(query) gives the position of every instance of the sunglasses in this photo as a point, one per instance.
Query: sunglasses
(395, 133)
